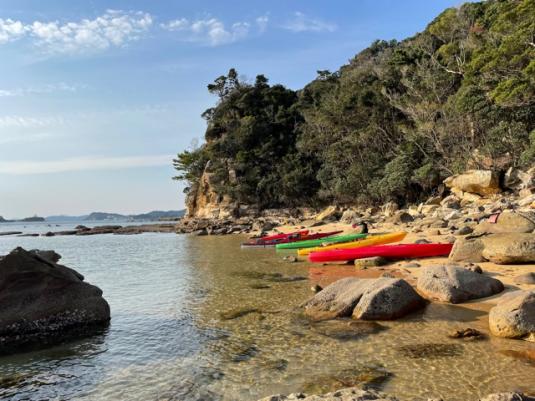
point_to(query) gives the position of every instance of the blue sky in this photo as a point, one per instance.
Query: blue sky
(97, 96)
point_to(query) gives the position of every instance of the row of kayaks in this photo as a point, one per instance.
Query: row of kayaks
(334, 247)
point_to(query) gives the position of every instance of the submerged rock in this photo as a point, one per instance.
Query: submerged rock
(367, 377)
(345, 329)
(468, 334)
(43, 301)
(431, 350)
(507, 397)
(348, 394)
(454, 284)
(237, 313)
(514, 316)
(367, 299)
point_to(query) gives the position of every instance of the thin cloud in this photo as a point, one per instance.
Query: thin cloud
(114, 28)
(16, 121)
(23, 167)
(43, 89)
(211, 30)
(25, 138)
(262, 23)
(303, 23)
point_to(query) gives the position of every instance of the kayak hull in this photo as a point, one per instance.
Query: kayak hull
(310, 243)
(370, 240)
(399, 251)
(288, 239)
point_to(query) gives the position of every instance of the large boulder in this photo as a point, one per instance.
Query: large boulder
(367, 299)
(509, 248)
(455, 284)
(480, 182)
(467, 250)
(509, 222)
(514, 316)
(330, 213)
(347, 394)
(43, 301)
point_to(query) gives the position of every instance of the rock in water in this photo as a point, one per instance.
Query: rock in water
(44, 302)
(367, 299)
(348, 394)
(454, 284)
(507, 397)
(514, 316)
(509, 248)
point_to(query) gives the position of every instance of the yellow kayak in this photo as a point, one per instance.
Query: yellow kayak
(371, 240)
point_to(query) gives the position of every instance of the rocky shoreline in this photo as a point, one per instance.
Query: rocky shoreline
(105, 229)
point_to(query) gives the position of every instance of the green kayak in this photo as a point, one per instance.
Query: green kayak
(317, 242)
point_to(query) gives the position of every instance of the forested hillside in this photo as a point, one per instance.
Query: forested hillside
(389, 125)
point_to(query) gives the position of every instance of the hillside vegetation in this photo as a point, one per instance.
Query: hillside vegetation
(389, 125)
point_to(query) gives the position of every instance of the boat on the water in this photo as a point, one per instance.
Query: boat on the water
(398, 251)
(318, 242)
(370, 240)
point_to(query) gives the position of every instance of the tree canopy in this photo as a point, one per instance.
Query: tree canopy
(391, 124)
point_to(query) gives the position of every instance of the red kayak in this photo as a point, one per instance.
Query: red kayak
(292, 237)
(281, 235)
(400, 251)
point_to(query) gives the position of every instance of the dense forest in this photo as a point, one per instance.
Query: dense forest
(389, 125)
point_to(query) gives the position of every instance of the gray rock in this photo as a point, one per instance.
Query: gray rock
(348, 394)
(370, 262)
(454, 284)
(526, 278)
(465, 230)
(509, 248)
(514, 316)
(367, 299)
(422, 241)
(50, 255)
(44, 302)
(467, 250)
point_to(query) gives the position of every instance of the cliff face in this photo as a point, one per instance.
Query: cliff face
(204, 202)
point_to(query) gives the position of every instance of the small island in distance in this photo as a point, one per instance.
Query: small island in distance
(154, 215)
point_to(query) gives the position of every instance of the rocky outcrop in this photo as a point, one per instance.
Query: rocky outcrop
(454, 284)
(480, 182)
(509, 248)
(204, 202)
(43, 301)
(514, 316)
(367, 299)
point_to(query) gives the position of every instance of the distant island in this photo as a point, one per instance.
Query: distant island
(24, 220)
(104, 216)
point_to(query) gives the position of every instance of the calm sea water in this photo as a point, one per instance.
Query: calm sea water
(176, 333)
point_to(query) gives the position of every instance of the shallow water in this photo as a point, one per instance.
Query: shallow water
(197, 318)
